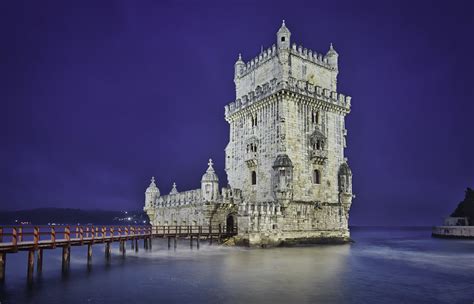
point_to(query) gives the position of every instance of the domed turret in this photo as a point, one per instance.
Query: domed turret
(151, 193)
(345, 178)
(283, 37)
(210, 184)
(332, 57)
(238, 67)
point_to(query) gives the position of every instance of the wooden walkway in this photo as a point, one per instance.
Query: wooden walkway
(35, 239)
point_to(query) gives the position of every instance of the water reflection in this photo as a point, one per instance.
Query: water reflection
(276, 274)
(382, 266)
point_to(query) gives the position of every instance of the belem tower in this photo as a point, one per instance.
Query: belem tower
(288, 179)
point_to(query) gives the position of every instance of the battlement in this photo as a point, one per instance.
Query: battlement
(311, 56)
(271, 52)
(298, 86)
(179, 199)
(254, 63)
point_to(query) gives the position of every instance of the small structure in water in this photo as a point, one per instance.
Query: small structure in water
(461, 222)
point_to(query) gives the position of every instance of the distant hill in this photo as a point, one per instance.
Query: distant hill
(45, 216)
(466, 207)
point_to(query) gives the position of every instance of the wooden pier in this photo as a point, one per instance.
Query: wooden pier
(35, 239)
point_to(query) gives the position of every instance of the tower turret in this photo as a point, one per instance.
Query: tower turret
(238, 67)
(151, 193)
(332, 57)
(283, 37)
(210, 184)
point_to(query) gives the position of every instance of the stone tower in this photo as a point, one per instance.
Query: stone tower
(289, 181)
(286, 146)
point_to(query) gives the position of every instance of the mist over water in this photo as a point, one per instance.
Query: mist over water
(382, 266)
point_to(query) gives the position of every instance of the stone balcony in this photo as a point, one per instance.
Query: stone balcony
(318, 156)
(251, 159)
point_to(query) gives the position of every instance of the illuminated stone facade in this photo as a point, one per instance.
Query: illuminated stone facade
(289, 181)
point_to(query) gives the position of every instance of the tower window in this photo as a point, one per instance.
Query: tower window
(282, 39)
(253, 120)
(316, 177)
(254, 178)
(315, 117)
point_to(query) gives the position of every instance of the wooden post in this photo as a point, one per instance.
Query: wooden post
(107, 250)
(36, 236)
(124, 249)
(132, 244)
(149, 240)
(199, 236)
(81, 234)
(89, 253)
(1, 234)
(210, 234)
(14, 239)
(66, 258)
(31, 264)
(169, 242)
(67, 234)
(53, 236)
(145, 243)
(191, 242)
(220, 234)
(39, 261)
(175, 243)
(3, 261)
(20, 234)
(136, 244)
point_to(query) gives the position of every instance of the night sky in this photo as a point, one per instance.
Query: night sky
(98, 96)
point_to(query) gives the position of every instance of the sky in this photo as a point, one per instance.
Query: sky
(98, 96)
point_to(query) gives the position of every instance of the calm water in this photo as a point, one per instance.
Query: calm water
(383, 266)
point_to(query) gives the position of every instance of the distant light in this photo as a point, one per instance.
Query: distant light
(126, 212)
(129, 218)
(144, 222)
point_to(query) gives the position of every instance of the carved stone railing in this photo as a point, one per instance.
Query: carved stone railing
(318, 156)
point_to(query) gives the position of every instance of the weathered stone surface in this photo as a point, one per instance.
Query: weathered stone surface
(288, 178)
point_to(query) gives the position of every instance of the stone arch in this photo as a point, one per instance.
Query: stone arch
(231, 222)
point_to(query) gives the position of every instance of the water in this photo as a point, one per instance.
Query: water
(383, 266)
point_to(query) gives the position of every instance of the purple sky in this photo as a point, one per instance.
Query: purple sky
(97, 96)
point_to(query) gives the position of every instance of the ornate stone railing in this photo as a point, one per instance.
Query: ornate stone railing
(179, 199)
(262, 209)
(318, 155)
(298, 86)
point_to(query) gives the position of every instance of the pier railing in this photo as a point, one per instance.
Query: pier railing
(36, 238)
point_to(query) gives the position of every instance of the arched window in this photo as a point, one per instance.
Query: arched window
(316, 177)
(315, 117)
(254, 178)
